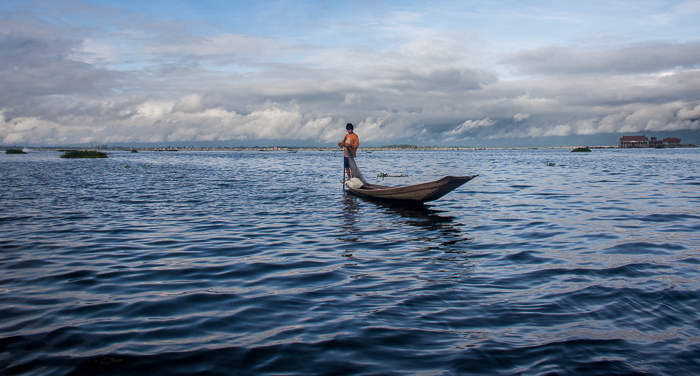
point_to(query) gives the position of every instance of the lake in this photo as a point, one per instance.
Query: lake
(258, 263)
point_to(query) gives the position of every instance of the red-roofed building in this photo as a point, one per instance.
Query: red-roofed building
(644, 142)
(672, 142)
(633, 142)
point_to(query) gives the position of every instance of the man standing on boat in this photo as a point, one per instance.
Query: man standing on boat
(350, 142)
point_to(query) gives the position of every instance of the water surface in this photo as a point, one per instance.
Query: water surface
(259, 263)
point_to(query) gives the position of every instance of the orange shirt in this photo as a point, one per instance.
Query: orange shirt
(351, 142)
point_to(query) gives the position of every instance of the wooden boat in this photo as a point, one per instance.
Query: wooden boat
(415, 194)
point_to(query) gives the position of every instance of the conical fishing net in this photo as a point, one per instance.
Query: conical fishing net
(356, 170)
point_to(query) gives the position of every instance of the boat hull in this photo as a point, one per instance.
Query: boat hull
(418, 193)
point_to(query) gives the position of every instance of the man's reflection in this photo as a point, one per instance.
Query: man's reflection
(351, 210)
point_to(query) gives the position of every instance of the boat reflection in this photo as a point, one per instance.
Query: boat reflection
(419, 215)
(449, 232)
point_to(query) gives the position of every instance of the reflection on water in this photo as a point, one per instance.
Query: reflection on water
(351, 213)
(426, 217)
(419, 215)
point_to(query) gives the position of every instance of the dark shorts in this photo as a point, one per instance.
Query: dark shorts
(346, 162)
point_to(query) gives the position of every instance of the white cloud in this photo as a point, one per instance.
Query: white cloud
(557, 130)
(470, 125)
(189, 103)
(520, 116)
(689, 113)
(153, 122)
(153, 110)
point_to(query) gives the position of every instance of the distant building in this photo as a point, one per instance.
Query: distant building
(633, 142)
(654, 143)
(672, 142)
(644, 142)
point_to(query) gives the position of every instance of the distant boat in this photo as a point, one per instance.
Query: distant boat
(413, 194)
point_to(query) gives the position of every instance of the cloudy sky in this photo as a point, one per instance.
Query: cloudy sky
(294, 72)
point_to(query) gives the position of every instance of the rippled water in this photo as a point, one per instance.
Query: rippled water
(258, 263)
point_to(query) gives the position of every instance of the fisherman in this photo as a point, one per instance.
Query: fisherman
(350, 142)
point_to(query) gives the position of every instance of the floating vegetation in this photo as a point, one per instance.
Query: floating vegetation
(581, 150)
(264, 157)
(147, 166)
(134, 151)
(661, 147)
(83, 154)
(127, 166)
(385, 175)
(15, 151)
(551, 164)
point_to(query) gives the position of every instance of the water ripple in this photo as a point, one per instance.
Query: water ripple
(258, 263)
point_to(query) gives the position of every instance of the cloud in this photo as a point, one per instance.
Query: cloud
(558, 130)
(168, 81)
(470, 125)
(34, 66)
(157, 121)
(95, 53)
(650, 57)
(687, 8)
(520, 116)
(190, 103)
(689, 113)
(223, 48)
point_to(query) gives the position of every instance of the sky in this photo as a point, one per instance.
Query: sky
(450, 73)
